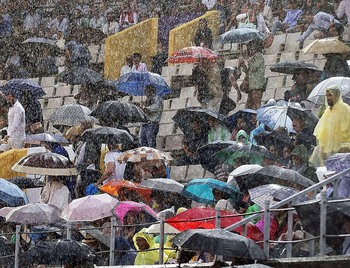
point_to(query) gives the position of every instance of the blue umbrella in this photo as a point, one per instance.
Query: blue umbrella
(133, 83)
(11, 194)
(18, 86)
(201, 190)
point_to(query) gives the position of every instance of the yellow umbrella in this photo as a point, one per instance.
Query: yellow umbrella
(326, 46)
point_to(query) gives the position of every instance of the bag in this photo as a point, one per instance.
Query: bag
(246, 24)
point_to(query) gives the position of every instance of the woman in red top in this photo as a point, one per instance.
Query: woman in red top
(128, 17)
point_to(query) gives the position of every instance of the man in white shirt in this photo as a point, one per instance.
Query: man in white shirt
(16, 133)
(128, 65)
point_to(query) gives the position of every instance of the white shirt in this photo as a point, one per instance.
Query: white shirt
(209, 3)
(125, 69)
(141, 68)
(118, 173)
(16, 121)
(110, 28)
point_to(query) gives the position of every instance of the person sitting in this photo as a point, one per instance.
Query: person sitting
(290, 22)
(111, 26)
(128, 17)
(138, 66)
(304, 134)
(300, 163)
(128, 65)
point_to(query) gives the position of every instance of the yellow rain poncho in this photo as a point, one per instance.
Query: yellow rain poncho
(146, 257)
(333, 129)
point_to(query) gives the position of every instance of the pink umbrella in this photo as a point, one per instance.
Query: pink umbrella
(4, 211)
(124, 207)
(89, 208)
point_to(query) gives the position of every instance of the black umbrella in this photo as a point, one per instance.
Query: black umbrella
(305, 115)
(276, 175)
(219, 242)
(119, 113)
(71, 115)
(7, 250)
(268, 138)
(242, 35)
(39, 44)
(309, 214)
(186, 116)
(60, 252)
(18, 86)
(292, 67)
(23, 182)
(109, 135)
(79, 76)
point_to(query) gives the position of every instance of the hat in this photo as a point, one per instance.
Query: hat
(301, 152)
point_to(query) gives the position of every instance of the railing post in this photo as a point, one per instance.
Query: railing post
(311, 248)
(290, 232)
(69, 230)
(112, 241)
(267, 217)
(161, 238)
(217, 218)
(18, 238)
(245, 227)
(323, 222)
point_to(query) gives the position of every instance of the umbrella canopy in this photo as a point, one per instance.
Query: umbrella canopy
(155, 229)
(317, 95)
(326, 46)
(292, 67)
(241, 171)
(241, 35)
(273, 192)
(185, 117)
(79, 76)
(71, 115)
(124, 207)
(113, 186)
(219, 242)
(4, 211)
(45, 137)
(46, 164)
(11, 194)
(24, 182)
(118, 112)
(144, 154)
(246, 114)
(192, 55)
(60, 252)
(306, 115)
(39, 44)
(89, 208)
(201, 190)
(275, 175)
(34, 214)
(18, 86)
(166, 185)
(275, 116)
(133, 83)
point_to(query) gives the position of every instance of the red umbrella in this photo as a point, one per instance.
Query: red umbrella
(192, 55)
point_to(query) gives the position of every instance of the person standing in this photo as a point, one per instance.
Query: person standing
(138, 66)
(153, 108)
(16, 130)
(203, 37)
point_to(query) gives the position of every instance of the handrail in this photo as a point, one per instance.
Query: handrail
(291, 198)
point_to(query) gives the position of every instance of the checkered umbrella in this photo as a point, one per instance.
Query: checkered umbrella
(144, 153)
(192, 55)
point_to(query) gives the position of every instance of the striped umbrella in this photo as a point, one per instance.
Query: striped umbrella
(144, 153)
(192, 55)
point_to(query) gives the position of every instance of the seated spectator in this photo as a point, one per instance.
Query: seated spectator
(59, 23)
(31, 21)
(111, 25)
(138, 66)
(258, 8)
(242, 137)
(128, 65)
(325, 6)
(5, 26)
(98, 18)
(128, 17)
(290, 22)
(325, 24)
(301, 163)
(304, 134)
(203, 35)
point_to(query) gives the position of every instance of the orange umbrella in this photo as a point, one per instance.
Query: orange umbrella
(113, 186)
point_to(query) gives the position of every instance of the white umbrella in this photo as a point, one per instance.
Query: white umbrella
(155, 229)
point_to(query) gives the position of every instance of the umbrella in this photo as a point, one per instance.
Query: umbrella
(192, 55)
(123, 207)
(275, 116)
(11, 194)
(241, 171)
(89, 208)
(201, 190)
(7, 251)
(60, 252)
(309, 215)
(273, 192)
(293, 111)
(23, 182)
(119, 112)
(4, 211)
(203, 218)
(108, 135)
(242, 35)
(167, 185)
(18, 86)
(326, 46)
(246, 114)
(317, 95)
(184, 118)
(46, 164)
(219, 242)
(34, 214)
(71, 115)
(275, 175)
(39, 44)
(292, 67)
(155, 229)
(133, 83)
(144, 154)
(79, 76)
(45, 137)
(206, 152)
(113, 186)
